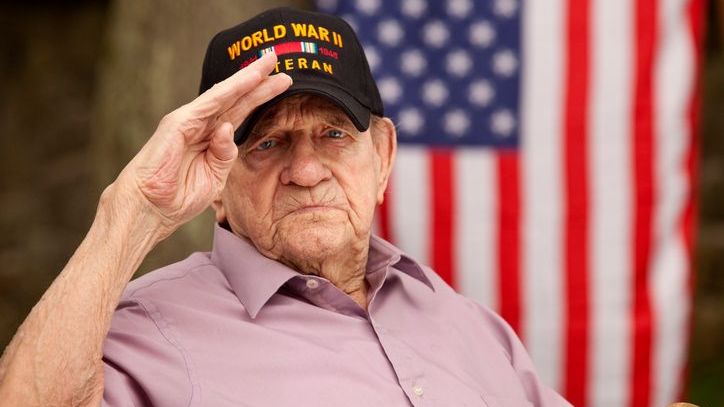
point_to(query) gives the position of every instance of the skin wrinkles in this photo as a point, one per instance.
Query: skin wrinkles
(304, 188)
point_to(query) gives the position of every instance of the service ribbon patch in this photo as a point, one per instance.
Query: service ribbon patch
(291, 47)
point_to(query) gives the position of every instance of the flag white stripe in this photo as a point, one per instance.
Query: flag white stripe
(476, 224)
(541, 177)
(610, 182)
(410, 204)
(674, 74)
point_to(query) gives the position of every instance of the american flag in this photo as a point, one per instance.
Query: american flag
(546, 168)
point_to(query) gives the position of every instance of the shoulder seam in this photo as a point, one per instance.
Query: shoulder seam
(131, 294)
(487, 312)
(169, 337)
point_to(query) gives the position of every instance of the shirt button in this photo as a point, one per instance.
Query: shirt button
(312, 283)
(418, 390)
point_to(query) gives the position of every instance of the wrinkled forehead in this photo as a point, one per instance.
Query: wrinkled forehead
(298, 110)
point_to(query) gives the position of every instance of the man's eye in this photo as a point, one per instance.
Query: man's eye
(335, 134)
(266, 144)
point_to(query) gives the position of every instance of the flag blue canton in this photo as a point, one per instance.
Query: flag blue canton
(448, 71)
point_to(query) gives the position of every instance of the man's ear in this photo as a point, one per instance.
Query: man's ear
(384, 137)
(219, 211)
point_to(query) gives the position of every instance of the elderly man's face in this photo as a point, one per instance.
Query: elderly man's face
(306, 182)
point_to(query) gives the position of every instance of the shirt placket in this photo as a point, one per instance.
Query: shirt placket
(408, 369)
(407, 366)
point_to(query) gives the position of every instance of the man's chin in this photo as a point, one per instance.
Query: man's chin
(315, 239)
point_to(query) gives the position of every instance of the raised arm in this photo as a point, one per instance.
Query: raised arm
(55, 356)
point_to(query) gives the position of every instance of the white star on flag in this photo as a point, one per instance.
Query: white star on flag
(458, 63)
(412, 62)
(434, 92)
(456, 122)
(459, 8)
(411, 120)
(414, 8)
(368, 7)
(481, 34)
(390, 32)
(390, 89)
(436, 34)
(480, 93)
(502, 122)
(373, 57)
(504, 63)
(506, 8)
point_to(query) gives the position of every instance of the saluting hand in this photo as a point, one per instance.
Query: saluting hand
(185, 163)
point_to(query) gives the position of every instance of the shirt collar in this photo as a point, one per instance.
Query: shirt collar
(383, 253)
(254, 278)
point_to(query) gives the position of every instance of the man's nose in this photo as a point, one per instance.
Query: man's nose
(305, 166)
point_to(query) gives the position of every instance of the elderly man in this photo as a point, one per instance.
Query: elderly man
(297, 303)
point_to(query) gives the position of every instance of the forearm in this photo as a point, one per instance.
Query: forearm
(55, 356)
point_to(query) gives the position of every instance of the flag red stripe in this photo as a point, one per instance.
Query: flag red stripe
(696, 24)
(383, 212)
(442, 193)
(509, 238)
(576, 202)
(643, 150)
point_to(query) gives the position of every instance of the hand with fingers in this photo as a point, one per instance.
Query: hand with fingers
(55, 358)
(185, 163)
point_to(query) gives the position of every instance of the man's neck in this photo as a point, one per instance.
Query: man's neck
(345, 270)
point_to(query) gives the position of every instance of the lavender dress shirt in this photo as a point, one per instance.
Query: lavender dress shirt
(234, 328)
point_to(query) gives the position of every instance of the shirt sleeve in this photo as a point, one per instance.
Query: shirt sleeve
(536, 391)
(144, 365)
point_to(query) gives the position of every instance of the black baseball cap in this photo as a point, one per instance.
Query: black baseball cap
(319, 51)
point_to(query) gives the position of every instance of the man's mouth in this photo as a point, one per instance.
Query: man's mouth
(315, 208)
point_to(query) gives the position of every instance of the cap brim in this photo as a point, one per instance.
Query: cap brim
(357, 113)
